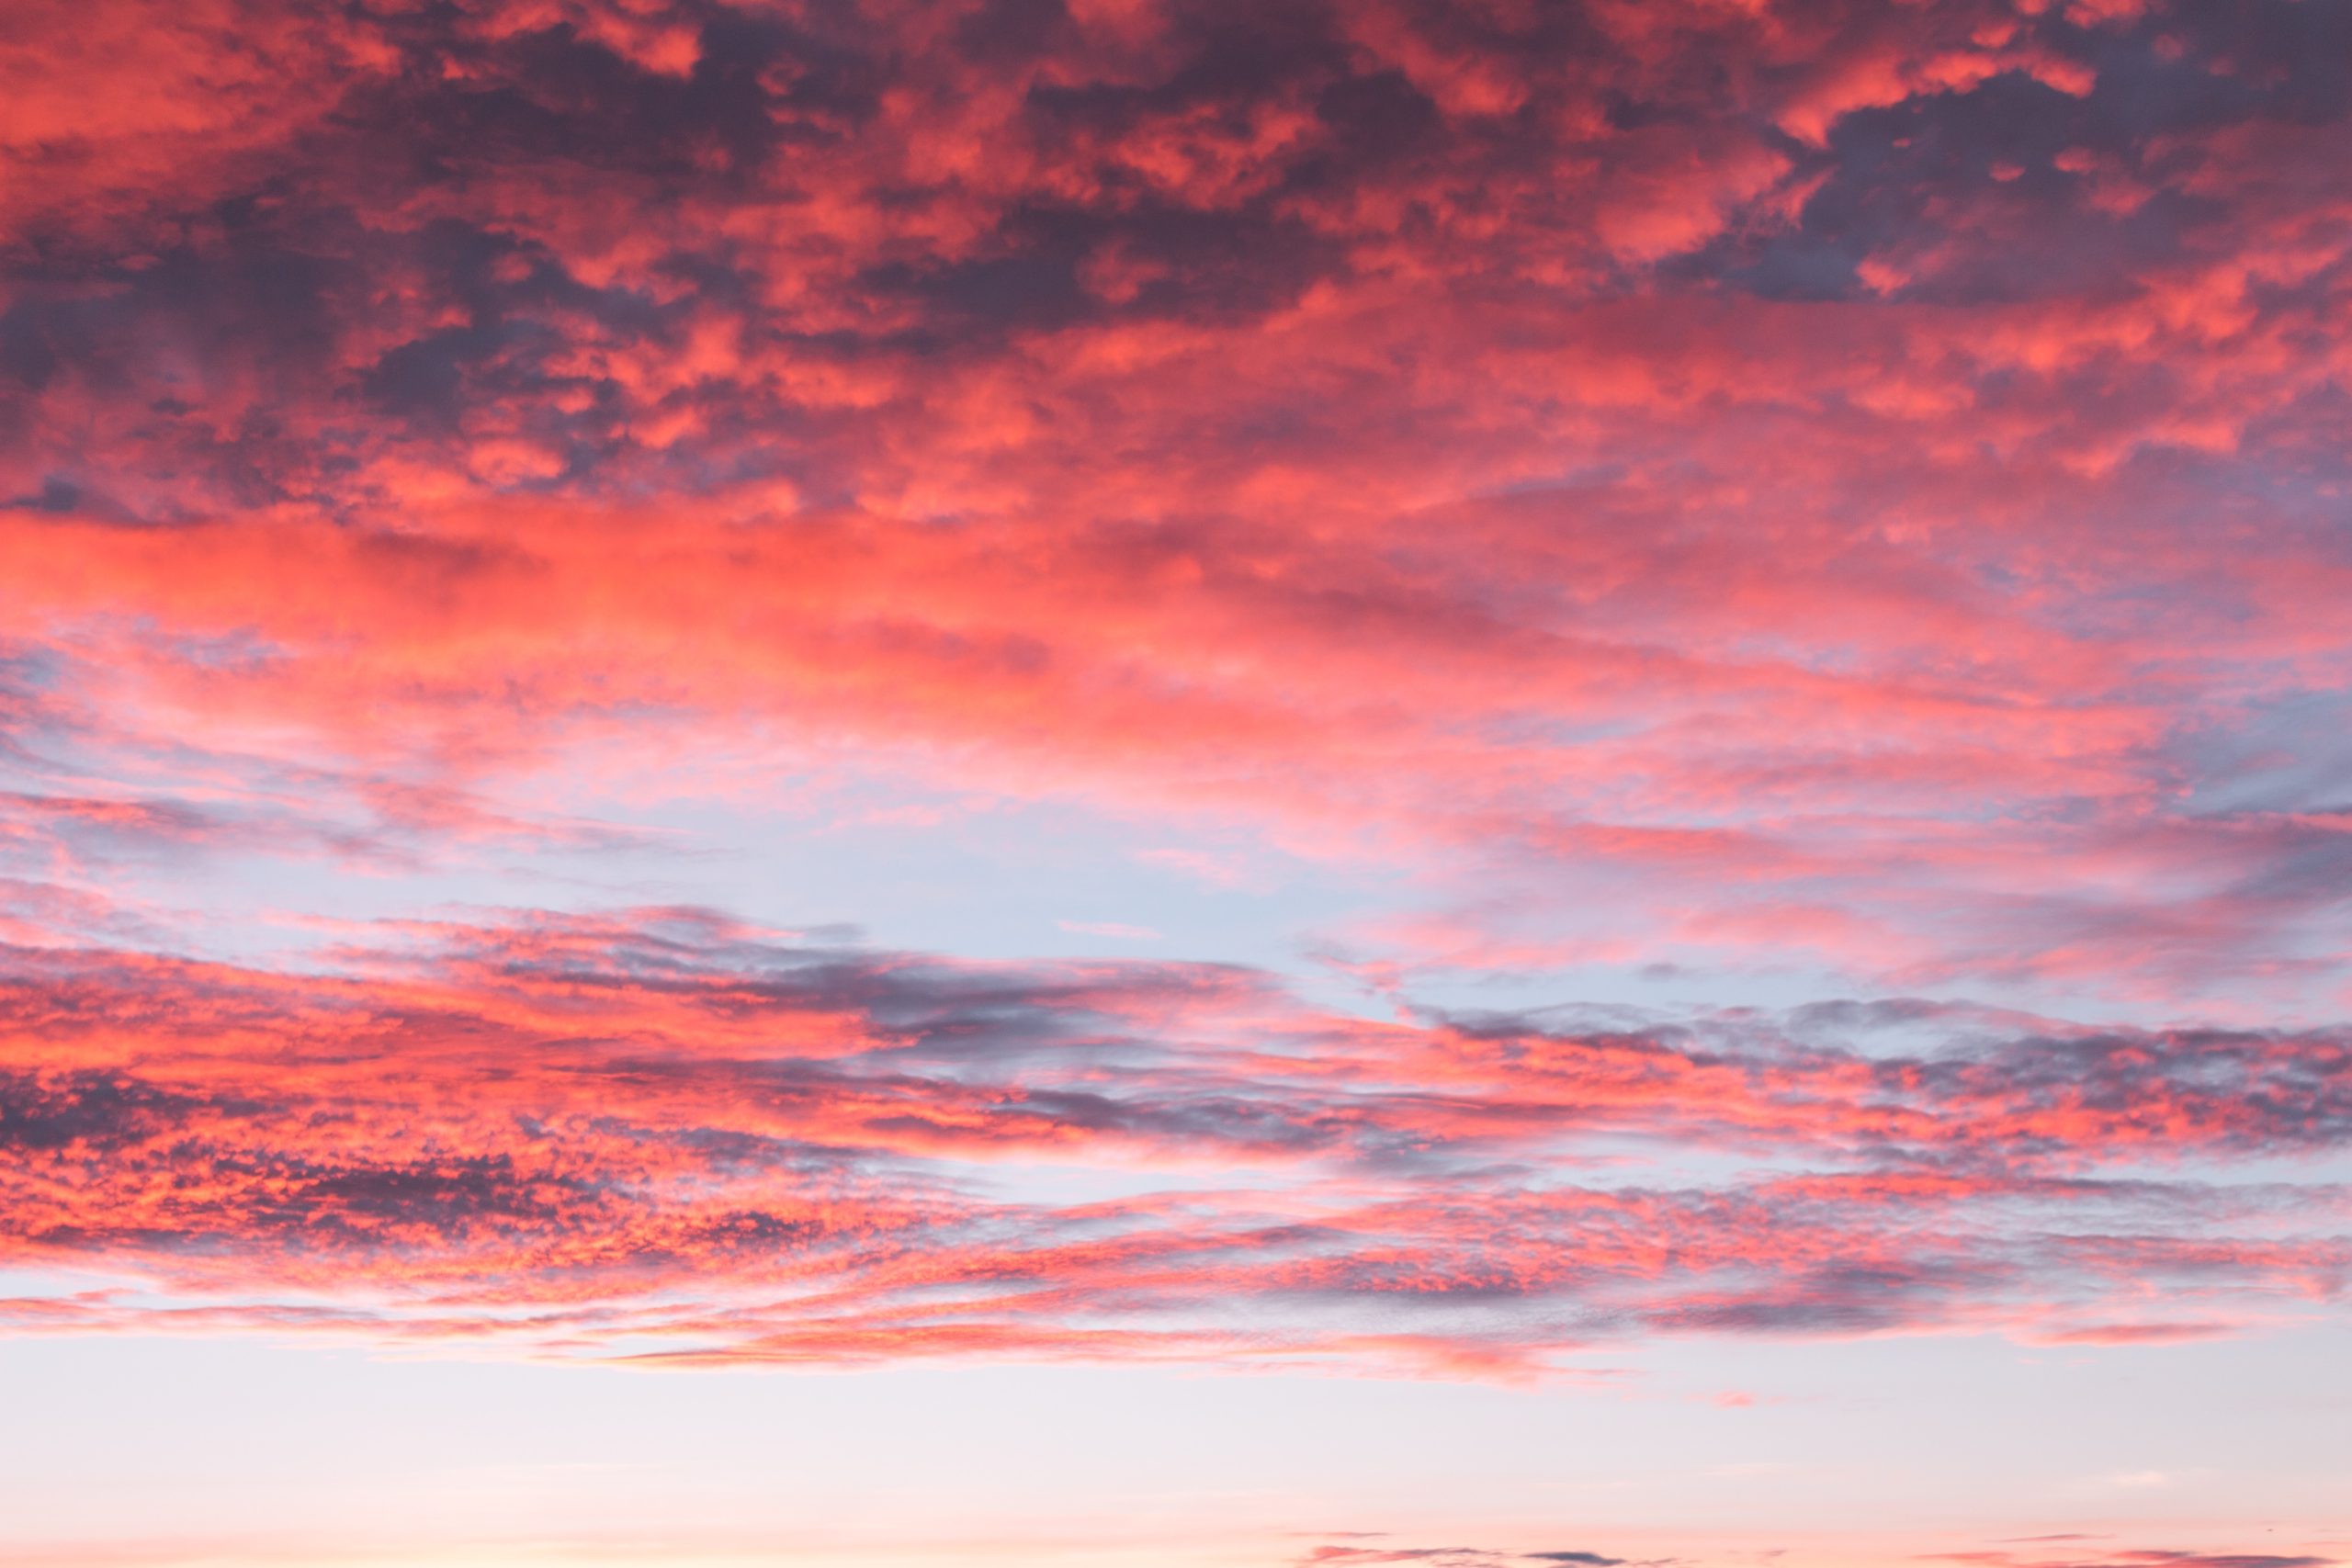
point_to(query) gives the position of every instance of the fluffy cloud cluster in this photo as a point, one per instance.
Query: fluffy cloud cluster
(1827, 481)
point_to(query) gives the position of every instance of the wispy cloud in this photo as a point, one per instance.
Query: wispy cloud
(660, 1132)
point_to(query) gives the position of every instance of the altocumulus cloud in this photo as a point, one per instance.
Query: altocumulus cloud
(660, 1132)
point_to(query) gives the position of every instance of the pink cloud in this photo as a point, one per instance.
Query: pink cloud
(663, 1133)
(1819, 488)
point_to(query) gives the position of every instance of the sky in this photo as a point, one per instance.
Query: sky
(1160, 783)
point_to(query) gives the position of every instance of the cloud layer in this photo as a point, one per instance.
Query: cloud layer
(1799, 487)
(660, 1135)
(1822, 483)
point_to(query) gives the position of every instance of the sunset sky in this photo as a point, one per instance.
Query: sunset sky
(1176, 783)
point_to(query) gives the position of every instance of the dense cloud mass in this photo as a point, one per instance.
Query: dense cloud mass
(1840, 480)
(1745, 483)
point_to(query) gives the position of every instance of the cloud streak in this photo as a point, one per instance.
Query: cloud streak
(662, 1134)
